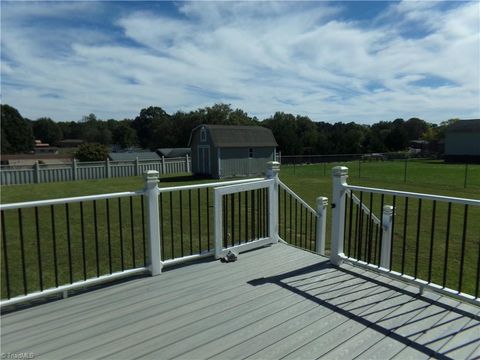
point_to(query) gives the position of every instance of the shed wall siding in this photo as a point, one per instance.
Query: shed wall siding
(457, 143)
(236, 161)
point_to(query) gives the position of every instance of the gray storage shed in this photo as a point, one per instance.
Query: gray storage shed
(223, 151)
(462, 141)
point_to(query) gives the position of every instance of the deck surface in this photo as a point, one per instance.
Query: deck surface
(273, 303)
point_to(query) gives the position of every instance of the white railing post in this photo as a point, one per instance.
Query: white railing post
(151, 196)
(340, 175)
(387, 217)
(322, 203)
(163, 165)
(273, 168)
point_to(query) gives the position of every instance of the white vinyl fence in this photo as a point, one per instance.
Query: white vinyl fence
(16, 175)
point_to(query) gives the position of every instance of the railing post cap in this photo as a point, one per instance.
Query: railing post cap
(273, 168)
(388, 209)
(151, 175)
(274, 165)
(340, 171)
(322, 201)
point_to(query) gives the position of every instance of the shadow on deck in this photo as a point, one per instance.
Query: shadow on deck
(276, 302)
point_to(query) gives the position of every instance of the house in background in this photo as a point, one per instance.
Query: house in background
(174, 152)
(462, 141)
(32, 159)
(223, 151)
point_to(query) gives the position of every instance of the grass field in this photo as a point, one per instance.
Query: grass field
(309, 181)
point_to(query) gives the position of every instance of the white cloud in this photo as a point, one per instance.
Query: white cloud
(261, 57)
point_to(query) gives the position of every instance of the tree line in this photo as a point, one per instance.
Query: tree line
(154, 128)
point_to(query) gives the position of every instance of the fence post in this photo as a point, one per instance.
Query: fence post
(151, 196)
(37, 172)
(322, 203)
(340, 175)
(163, 165)
(137, 167)
(273, 168)
(187, 164)
(74, 169)
(107, 168)
(387, 216)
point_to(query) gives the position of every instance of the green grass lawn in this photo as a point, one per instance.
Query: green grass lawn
(188, 222)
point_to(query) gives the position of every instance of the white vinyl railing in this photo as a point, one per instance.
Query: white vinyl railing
(421, 238)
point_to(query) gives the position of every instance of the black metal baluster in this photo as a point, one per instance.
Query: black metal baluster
(190, 219)
(382, 203)
(477, 283)
(357, 223)
(285, 212)
(350, 222)
(394, 204)
(22, 251)
(296, 217)
(181, 224)
(199, 222)
(109, 236)
(97, 254)
(161, 227)
(69, 241)
(240, 217)
(144, 240)
(122, 262)
(259, 214)
(404, 245)
(360, 228)
(290, 223)
(39, 251)
(370, 230)
(432, 237)
(232, 214)
(464, 239)
(54, 243)
(225, 220)
(311, 232)
(208, 220)
(301, 225)
(252, 224)
(172, 250)
(132, 233)
(419, 216)
(246, 217)
(82, 228)
(5, 254)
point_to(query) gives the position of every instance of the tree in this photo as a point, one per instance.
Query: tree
(124, 135)
(415, 127)
(17, 134)
(47, 130)
(151, 126)
(91, 152)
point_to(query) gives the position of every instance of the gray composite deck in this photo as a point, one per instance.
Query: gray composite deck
(276, 302)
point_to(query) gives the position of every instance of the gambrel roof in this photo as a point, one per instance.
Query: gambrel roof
(234, 136)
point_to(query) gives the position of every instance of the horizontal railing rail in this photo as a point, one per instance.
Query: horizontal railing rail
(430, 240)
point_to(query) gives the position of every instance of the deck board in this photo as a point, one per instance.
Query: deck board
(276, 302)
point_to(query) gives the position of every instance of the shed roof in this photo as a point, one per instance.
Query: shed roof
(240, 136)
(465, 126)
(174, 152)
(130, 156)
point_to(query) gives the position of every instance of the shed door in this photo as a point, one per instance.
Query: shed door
(204, 159)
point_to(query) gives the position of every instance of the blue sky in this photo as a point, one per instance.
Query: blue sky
(332, 61)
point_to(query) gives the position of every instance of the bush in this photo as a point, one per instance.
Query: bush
(91, 152)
